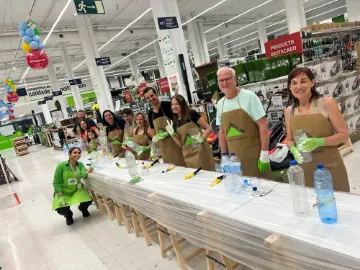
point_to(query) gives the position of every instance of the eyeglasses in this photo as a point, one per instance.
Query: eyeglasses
(226, 80)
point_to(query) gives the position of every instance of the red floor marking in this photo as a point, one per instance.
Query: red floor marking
(17, 198)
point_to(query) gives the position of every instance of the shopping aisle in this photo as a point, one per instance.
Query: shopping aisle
(34, 237)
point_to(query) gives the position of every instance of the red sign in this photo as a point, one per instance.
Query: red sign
(141, 89)
(284, 45)
(164, 85)
(128, 96)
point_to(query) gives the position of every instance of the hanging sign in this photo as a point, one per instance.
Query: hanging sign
(75, 81)
(127, 95)
(141, 89)
(284, 45)
(103, 61)
(41, 102)
(39, 92)
(164, 85)
(166, 23)
(89, 7)
(57, 93)
(48, 98)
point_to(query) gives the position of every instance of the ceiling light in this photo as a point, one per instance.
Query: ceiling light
(212, 49)
(237, 16)
(326, 12)
(79, 65)
(241, 37)
(214, 53)
(277, 30)
(23, 77)
(206, 10)
(242, 43)
(147, 60)
(321, 6)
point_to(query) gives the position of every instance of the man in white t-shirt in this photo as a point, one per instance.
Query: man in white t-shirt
(243, 126)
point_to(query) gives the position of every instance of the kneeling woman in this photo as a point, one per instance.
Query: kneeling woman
(68, 187)
(186, 120)
(321, 118)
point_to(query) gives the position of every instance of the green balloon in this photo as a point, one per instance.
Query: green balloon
(37, 32)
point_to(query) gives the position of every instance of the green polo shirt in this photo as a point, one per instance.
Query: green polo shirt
(59, 174)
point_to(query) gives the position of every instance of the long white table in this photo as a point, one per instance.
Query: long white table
(261, 232)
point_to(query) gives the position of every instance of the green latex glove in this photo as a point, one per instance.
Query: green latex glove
(126, 141)
(199, 139)
(142, 149)
(170, 128)
(298, 157)
(311, 144)
(264, 162)
(62, 201)
(161, 135)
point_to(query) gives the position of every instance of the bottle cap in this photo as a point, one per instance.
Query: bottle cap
(293, 163)
(320, 166)
(233, 154)
(246, 181)
(254, 188)
(224, 154)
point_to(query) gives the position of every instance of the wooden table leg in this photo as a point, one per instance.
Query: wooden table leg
(92, 193)
(135, 222)
(144, 228)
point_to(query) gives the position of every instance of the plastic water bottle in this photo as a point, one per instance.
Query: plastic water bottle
(131, 163)
(144, 171)
(225, 162)
(325, 195)
(298, 190)
(235, 169)
(301, 136)
(66, 150)
(235, 164)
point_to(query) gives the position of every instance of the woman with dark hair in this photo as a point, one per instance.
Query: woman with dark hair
(326, 128)
(68, 187)
(141, 136)
(185, 122)
(114, 132)
(83, 128)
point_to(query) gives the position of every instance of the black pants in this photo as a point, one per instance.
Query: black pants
(67, 213)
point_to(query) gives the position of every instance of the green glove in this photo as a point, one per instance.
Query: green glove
(62, 201)
(126, 141)
(199, 139)
(161, 135)
(142, 149)
(264, 162)
(311, 144)
(298, 157)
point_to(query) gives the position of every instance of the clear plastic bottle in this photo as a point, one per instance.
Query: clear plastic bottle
(236, 173)
(131, 163)
(324, 190)
(225, 162)
(300, 136)
(298, 190)
(66, 150)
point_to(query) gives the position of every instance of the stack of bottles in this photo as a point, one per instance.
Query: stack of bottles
(231, 167)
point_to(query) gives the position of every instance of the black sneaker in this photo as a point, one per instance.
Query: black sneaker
(84, 212)
(69, 221)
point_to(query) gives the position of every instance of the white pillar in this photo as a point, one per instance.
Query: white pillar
(353, 7)
(198, 43)
(159, 60)
(295, 18)
(97, 74)
(46, 113)
(221, 47)
(134, 70)
(177, 46)
(55, 87)
(70, 74)
(262, 35)
(302, 13)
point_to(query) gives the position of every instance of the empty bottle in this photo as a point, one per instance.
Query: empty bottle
(235, 164)
(324, 190)
(66, 150)
(300, 136)
(225, 162)
(236, 174)
(131, 163)
(298, 190)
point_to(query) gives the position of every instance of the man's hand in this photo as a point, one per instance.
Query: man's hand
(264, 162)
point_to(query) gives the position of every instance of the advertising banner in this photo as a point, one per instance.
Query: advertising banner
(141, 89)
(164, 85)
(39, 92)
(284, 45)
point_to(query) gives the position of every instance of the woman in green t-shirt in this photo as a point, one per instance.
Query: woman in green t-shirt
(68, 187)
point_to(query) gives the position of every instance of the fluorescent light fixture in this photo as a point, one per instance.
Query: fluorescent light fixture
(123, 59)
(57, 21)
(252, 33)
(79, 65)
(242, 43)
(272, 32)
(321, 6)
(206, 10)
(326, 12)
(123, 30)
(23, 77)
(276, 23)
(151, 58)
(238, 16)
(212, 49)
(214, 53)
(244, 47)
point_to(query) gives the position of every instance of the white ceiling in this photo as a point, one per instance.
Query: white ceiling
(120, 13)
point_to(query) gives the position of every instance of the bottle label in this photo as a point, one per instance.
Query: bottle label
(325, 201)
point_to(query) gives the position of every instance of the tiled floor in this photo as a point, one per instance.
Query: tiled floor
(34, 237)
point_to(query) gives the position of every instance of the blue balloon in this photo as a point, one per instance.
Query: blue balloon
(22, 33)
(36, 38)
(34, 45)
(30, 32)
(27, 39)
(41, 46)
(23, 26)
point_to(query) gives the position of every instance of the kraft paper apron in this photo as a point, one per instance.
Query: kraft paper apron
(317, 126)
(195, 157)
(116, 138)
(170, 151)
(74, 191)
(243, 139)
(142, 140)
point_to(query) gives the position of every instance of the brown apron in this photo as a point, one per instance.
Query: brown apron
(170, 151)
(243, 139)
(195, 157)
(142, 140)
(117, 149)
(317, 126)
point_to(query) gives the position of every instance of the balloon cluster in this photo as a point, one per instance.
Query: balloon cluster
(9, 110)
(35, 58)
(10, 89)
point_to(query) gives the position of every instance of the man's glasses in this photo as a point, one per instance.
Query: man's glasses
(226, 80)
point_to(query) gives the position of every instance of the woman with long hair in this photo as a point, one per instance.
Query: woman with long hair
(321, 120)
(141, 136)
(186, 122)
(83, 128)
(114, 132)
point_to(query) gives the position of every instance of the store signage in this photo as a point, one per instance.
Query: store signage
(164, 85)
(103, 61)
(41, 102)
(85, 85)
(57, 93)
(284, 45)
(48, 98)
(127, 96)
(89, 7)
(166, 23)
(39, 92)
(75, 81)
(141, 89)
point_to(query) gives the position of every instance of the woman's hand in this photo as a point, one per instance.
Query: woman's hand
(170, 128)
(90, 170)
(311, 144)
(298, 157)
